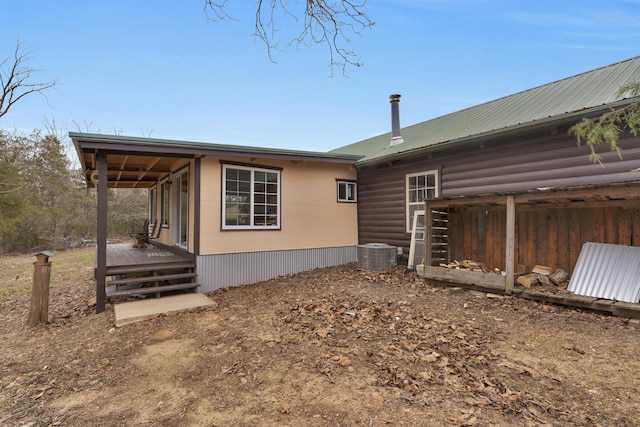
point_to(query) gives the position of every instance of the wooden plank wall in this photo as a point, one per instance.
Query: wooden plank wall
(548, 236)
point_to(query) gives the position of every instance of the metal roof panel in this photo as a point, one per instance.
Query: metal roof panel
(587, 91)
(607, 271)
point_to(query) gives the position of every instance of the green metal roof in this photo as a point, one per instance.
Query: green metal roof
(565, 99)
(122, 143)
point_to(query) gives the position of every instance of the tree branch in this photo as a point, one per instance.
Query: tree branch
(606, 129)
(326, 22)
(15, 79)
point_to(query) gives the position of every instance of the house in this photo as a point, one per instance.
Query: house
(226, 215)
(504, 182)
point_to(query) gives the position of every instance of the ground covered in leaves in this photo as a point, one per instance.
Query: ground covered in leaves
(336, 346)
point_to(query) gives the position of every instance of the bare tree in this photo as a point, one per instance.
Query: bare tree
(16, 79)
(326, 22)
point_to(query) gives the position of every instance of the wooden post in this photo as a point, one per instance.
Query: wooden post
(101, 244)
(510, 251)
(39, 310)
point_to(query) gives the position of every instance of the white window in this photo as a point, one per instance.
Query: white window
(251, 198)
(153, 204)
(420, 186)
(164, 203)
(347, 191)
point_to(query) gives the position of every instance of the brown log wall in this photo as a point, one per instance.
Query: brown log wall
(548, 236)
(511, 164)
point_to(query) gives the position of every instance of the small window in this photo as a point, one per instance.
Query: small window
(251, 198)
(420, 186)
(347, 191)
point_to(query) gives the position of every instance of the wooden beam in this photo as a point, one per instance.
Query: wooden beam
(510, 245)
(152, 162)
(124, 162)
(610, 192)
(101, 249)
(561, 198)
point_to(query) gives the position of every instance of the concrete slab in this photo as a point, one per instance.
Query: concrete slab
(136, 311)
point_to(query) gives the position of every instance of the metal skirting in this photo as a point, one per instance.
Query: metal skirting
(607, 271)
(224, 270)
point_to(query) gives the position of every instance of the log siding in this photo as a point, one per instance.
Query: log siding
(516, 163)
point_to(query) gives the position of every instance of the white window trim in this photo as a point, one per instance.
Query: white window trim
(224, 192)
(161, 197)
(347, 183)
(434, 172)
(153, 204)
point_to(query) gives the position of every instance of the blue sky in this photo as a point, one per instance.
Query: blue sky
(160, 68)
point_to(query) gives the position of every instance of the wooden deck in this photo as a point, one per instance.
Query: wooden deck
(125, 255)
(151, 270)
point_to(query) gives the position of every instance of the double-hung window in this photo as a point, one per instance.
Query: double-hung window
(251, 197)
(420, 186)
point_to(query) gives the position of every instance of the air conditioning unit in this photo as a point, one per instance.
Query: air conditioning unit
(376, 256)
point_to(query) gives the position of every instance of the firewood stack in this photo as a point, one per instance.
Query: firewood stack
(541, 275)
(469, 265)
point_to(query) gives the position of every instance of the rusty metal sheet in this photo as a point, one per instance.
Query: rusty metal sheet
(607, 271)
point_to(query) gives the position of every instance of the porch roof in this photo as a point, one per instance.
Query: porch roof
(135, 162)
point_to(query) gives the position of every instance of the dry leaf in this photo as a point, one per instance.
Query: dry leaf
(284, 407)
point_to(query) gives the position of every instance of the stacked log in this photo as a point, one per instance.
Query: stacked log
(542, 275)
(539, 275)
(468, 265)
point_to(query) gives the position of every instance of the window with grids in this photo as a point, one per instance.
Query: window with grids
(420, 186)
(251, 198)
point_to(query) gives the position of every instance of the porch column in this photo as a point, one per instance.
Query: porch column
(197, 189)
(510, 255)
(101, 249)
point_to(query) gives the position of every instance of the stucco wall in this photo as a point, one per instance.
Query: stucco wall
(311, 217)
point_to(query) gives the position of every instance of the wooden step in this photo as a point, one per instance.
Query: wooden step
(150, 279)
(145, 267)
(151, 290)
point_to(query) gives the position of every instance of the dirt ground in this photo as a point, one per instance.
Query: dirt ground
(330, 347)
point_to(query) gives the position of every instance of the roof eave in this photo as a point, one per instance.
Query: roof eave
(116, 143)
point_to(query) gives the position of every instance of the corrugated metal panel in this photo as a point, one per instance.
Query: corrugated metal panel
(570, 95)
(607, 271)
(224, 270)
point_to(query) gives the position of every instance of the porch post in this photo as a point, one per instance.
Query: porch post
(510, 255)
(197, 189)
(101, 250)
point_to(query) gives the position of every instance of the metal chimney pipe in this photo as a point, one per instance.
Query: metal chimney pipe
(395, 120)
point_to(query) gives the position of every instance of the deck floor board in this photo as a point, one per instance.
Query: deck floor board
(125, 255)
